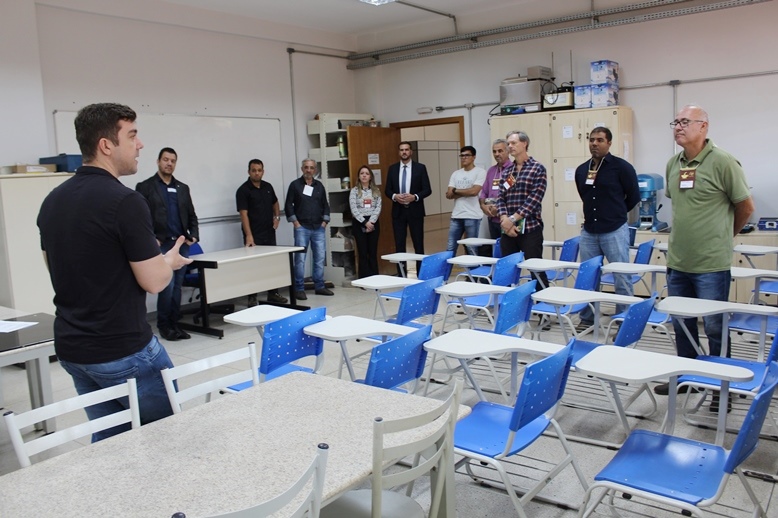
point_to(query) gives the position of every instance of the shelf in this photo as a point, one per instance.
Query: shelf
(341, 245)
(339, 219)
(330, 154)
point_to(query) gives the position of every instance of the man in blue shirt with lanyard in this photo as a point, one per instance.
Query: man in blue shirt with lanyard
(608, 187)
(173, 215)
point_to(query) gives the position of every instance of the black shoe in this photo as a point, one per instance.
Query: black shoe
(715, 400)
(276, 298)
(300, 295)
(324, 291)
(664, 388)
(168, 333)
(182, 335)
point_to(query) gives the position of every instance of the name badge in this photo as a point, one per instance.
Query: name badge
(368, 203)
(496, 184)
(509, 182)
(590, 177)
(171, 189)
(308, 190)
(687, 177)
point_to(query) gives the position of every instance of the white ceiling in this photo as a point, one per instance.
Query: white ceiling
(349, 16)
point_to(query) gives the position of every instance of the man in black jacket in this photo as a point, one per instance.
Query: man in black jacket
(173, 215)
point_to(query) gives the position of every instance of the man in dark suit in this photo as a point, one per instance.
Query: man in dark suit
(172, 215)
(407, 184)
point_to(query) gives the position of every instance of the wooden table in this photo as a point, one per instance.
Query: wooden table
(343, 328)
(380, 284)
(624, 365)
(231, 273)
(559, 296)
(689, 307)
(467, 344)
(219, 457)
(32, 346)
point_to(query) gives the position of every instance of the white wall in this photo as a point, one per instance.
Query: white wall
(733, 41)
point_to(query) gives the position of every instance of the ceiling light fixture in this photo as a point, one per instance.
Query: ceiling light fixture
(376, 2)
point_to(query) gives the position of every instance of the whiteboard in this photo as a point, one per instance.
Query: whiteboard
(213, 154)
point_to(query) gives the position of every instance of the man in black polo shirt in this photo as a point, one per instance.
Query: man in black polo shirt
(608, 187)
(308, 210)
(259, 216)
(97, 240)
(173, 215)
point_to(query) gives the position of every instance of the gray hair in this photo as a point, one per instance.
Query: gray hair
(523, 137)
(500, 141)
(308, 160)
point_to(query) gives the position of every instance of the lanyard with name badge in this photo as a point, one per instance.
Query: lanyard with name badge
(686, 177)
(592, 174)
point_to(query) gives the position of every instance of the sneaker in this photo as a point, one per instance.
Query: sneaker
(300, 295)
(715, 401)
(276, 298)
(324, 291)
(182, 335)
(664, 388)
(168, 333)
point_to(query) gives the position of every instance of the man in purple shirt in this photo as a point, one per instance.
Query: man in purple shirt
(490, 191)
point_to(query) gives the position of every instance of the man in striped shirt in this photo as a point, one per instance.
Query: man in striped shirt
(522, 187)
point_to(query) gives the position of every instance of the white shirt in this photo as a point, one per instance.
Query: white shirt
(467, 207)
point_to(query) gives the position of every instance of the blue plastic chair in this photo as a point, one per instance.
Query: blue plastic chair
(656, 319)
(588, 279)
(435, 265)
(399, 361)
(484, 272)
(569, 252)
(495, 432)
(506, 273)
(643, 256)
(744, 388)
(680, 472)
(285, 342)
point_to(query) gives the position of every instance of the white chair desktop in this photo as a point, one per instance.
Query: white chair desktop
(431, 454)
(180, 396)
(309, 507)
(24, 450)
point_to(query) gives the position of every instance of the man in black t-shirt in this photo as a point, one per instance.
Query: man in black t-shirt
(259, 216)
(97, 239)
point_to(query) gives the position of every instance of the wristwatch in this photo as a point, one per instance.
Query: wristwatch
(277, 218)
(512, 218)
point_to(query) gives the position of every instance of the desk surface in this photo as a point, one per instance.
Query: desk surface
(472, 260)
(538, 264)
(40, 333)
(259, 315)
(383, 282)
(738, 272)
(348, 327)
(691, 307)
(633, 268)
(213, 259)
(756, 249)
(218, 457)
(562, 296)
(469, 343)
(476, 241)
(634, 365)
(399, 257)
(470, 289)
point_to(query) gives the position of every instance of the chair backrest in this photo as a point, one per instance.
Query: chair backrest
(496, 250)
(643, 255)
(126, 393)
(542, 387)
(635, 321)
(179, 396)
(435, 265)
(399, 361)
(569, 250)
(772, 354)
(191, 278)
(507, 271)
(589, 274)
(309, 507)
(419, 300)
(432, 451)
(515, 308)
(748, 436)
(285, 341)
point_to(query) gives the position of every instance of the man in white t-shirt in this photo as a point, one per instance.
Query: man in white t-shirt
(464, 187)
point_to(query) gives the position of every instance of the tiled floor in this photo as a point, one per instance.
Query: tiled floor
(474, 499)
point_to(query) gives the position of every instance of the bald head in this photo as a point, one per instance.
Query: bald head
(691, 129)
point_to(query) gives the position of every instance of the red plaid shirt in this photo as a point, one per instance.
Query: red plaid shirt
(525, 196)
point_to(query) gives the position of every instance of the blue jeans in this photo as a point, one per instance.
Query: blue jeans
(169, 299)
(615, 247)
(711, 286)
(303, 237)
(457, 228)
(144, 366)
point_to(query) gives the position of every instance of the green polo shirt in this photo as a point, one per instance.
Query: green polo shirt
(704, 216)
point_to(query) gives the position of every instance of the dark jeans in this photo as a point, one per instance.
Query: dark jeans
(169, 299)
(711, 286)
(531, 244)
(367, 248)
(401, 224)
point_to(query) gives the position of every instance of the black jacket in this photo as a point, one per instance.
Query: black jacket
(150, 190)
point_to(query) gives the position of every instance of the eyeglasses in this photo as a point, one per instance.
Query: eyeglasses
(465, 155)
(683, 122)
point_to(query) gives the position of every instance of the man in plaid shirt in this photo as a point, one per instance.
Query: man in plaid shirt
(522, 187)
